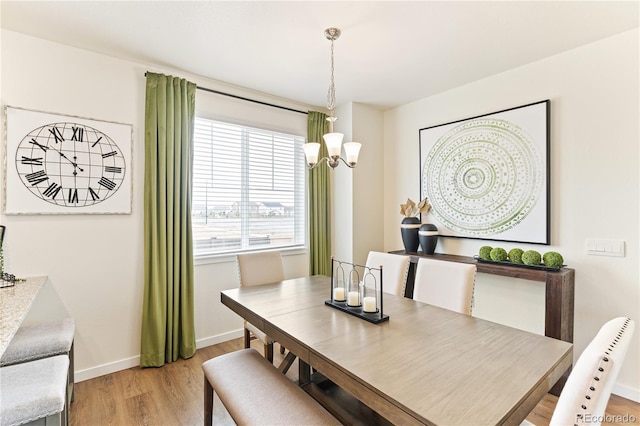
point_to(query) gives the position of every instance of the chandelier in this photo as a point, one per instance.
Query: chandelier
(331, 139)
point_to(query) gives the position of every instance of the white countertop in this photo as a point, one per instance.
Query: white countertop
(15, 303)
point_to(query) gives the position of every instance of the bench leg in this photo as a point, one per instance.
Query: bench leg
(208, 403)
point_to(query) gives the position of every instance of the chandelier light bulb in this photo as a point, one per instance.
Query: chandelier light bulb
(352, 150)
(311, 151)
(334, 143)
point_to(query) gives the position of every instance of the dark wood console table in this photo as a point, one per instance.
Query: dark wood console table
(559, 293)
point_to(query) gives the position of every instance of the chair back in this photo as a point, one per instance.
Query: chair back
(259, 268)
(586, 393)
(445, 284)
(395, 268)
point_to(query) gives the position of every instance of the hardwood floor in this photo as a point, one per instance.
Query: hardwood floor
(172, 395)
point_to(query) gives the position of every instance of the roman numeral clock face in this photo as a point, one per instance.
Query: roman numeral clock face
(70, 164)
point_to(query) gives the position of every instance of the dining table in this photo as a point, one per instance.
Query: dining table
(424, 365)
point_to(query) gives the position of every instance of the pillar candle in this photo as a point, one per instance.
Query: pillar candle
(369, 304)
(338, 294)
(354, 298)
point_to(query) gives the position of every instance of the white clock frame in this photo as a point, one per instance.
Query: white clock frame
(18, 199)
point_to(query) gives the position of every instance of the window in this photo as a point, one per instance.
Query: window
(248, 189)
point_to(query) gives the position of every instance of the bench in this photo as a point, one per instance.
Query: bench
(254, 392)
(34, 392)
(42, 340)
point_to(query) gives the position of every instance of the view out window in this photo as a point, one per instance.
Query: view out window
(248, 189)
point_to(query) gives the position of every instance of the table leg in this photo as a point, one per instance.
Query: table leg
(304, 372)
(286, 362)
(559, 301)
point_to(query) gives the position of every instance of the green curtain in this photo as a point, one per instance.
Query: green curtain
(168, 329)
(319, 201)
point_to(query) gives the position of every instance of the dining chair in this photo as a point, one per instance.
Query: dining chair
(445, 284)
(585, 395)
(395, 268)
(257, 269)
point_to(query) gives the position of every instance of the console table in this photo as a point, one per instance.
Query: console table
(559, 293)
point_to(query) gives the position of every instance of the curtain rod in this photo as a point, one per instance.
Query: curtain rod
(217, 92)
(250, 100)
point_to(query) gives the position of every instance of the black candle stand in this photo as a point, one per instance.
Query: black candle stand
(357, 311)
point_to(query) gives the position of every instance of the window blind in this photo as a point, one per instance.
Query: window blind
(248, 189)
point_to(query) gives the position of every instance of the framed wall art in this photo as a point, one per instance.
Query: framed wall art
(487, 177)
(61, 164)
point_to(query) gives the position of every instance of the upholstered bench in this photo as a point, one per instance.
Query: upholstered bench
(41, 340)
(34, 391)
(254, 392)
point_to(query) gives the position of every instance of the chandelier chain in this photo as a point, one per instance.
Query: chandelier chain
(331, 94)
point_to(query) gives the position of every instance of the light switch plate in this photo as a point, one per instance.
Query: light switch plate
(605, 247)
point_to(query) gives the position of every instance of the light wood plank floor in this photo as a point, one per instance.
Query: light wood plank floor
(172, 395)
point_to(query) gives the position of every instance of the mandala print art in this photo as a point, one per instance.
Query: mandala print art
(483, 177)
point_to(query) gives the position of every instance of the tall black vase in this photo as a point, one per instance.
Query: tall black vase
(428, 236)
(409, 230)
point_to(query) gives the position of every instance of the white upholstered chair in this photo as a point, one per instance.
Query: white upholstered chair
(445, 284)
(257, 269)
(395, 268)
(585, 395)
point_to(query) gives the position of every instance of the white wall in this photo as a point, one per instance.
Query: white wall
(357, 201)
(94, 262)
(594, 96)
(368, 181)
(342, 194)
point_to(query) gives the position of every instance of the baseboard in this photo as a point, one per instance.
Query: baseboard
(214, 340)
(111, 367)
(627, 392)
(123, 364)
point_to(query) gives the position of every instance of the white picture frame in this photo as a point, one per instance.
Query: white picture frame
(64, 164)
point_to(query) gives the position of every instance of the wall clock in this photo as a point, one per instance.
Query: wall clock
(64, 164)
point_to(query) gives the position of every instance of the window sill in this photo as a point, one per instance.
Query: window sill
(207, 259)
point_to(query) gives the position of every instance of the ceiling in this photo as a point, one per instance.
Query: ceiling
(390, 52)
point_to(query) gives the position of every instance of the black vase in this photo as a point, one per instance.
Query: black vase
(428, 236)
(409, 229)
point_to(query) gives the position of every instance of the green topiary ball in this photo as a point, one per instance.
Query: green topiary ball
(531, 257)
(515, 255)
(498, 254)
(553, 259)
(485, 252)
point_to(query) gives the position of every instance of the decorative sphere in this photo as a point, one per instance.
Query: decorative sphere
(498, 254)
(515, 255)
(485, 252)
(553, 259)
(531, 257)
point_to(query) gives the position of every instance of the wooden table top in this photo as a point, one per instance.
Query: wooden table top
(426, 365)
